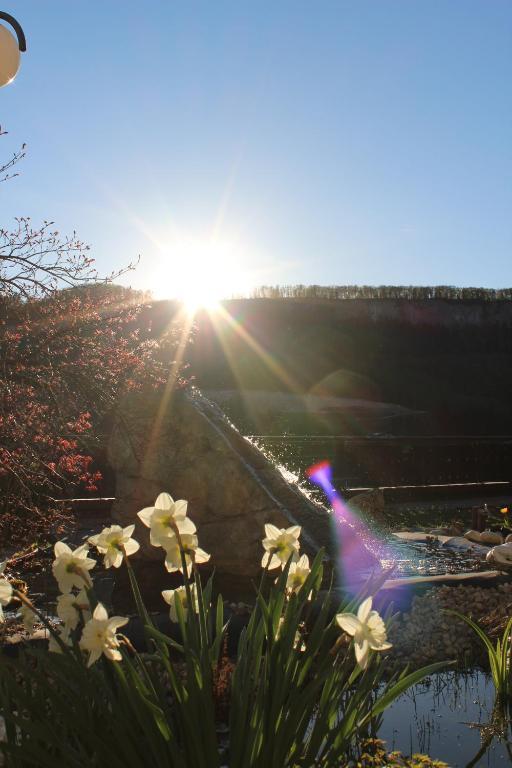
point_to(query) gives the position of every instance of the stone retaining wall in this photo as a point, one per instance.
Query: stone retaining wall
(187, 447)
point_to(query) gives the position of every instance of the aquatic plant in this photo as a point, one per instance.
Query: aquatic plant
(293, 695)
(375, 755)
(499, 656)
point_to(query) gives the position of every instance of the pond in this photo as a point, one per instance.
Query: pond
(298, 452)
(294, 454)
(443, 717)
(418, 558)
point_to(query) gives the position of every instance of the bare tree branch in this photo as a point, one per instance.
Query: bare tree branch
(36, 261)
(17, 156)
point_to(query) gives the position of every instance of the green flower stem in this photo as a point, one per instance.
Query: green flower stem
(42, 618)
(141, 608)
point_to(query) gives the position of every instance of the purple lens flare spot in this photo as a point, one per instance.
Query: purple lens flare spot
(360, 552)
(321, 475)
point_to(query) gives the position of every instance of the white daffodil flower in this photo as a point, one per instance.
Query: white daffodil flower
(193, 553)
(115, 542)
(69, 607)
(165, 518)
(279, 544)
(298, 574)
(28, 618)
(367, 629)
(71, 568)
(99, 635)
(171, 596)
(5, 591)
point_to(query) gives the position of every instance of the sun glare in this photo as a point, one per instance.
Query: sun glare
(200, 273)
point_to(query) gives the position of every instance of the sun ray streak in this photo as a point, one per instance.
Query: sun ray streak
(270, 362)
(185, 321)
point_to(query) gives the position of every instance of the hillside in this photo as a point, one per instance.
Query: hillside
(448, 362)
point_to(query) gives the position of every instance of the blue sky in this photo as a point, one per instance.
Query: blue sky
(320, 142)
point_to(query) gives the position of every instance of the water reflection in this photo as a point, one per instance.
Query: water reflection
(453, 717)
(499, 727)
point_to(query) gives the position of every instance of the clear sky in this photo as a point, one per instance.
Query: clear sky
(327, 141)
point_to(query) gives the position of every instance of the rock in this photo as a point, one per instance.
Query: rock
(473, 536)
(501, 555)
(491, 537)
(462, 544)
(370, 504)
(454, 529)
(440, 532)
(187, 447)
(508, 539)
(448, 637)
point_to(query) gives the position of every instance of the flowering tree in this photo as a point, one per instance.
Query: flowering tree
(69, 347)
(64, 363)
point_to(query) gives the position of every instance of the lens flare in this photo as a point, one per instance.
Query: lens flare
(360, 553)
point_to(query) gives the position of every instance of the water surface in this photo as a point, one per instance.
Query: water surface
(444, 718)
(295, 453)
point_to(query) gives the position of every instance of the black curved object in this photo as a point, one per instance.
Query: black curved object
(22, 43)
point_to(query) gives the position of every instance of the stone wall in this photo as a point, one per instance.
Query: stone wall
(187, 447)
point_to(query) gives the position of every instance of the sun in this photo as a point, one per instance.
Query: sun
(200, 273)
